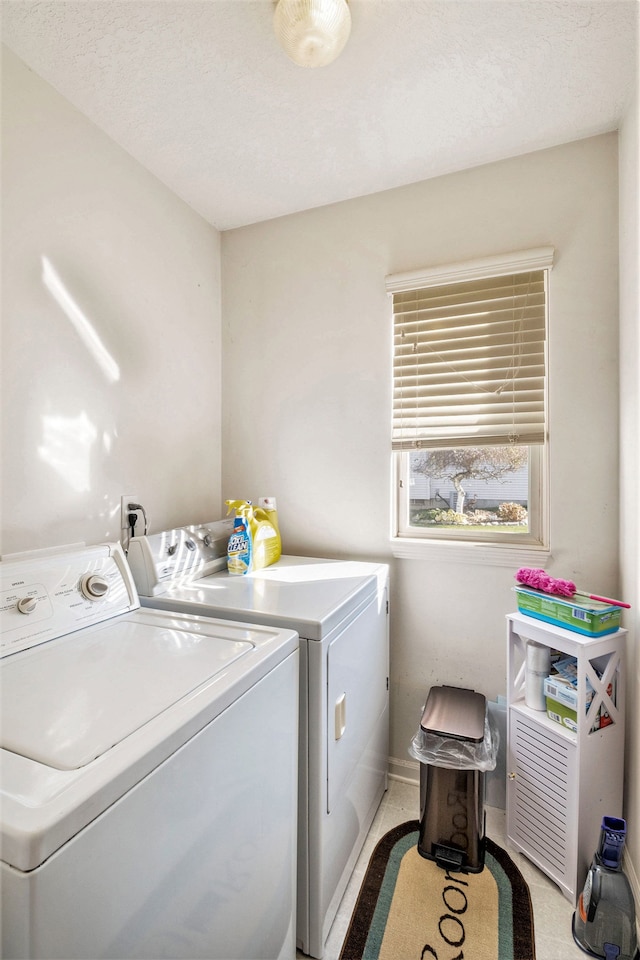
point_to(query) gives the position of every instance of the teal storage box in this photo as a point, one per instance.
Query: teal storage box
(589, 617)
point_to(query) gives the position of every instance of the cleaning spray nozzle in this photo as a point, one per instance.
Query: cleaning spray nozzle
(241, 506)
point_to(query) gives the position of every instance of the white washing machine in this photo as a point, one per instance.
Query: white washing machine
(340, 610)
(148, 770)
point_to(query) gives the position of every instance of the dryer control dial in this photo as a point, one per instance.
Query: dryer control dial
(26, 604)
(94, 587)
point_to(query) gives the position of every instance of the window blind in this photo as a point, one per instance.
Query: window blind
(469, 359)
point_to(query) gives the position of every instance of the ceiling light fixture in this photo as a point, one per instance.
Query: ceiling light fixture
(312, 32)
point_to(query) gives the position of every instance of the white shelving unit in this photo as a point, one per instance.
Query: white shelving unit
(560, 783)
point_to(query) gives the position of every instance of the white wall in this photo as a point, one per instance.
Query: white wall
(306, 342)
(630, 459)
(143, 270)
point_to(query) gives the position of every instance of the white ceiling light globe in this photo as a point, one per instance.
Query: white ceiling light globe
(312, 32)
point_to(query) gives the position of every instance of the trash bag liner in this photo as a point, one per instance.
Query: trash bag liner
(456, 754)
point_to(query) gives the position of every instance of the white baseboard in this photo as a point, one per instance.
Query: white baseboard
(408, 771)
(630, 871)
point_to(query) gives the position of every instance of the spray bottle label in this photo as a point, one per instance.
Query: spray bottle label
(239, 548)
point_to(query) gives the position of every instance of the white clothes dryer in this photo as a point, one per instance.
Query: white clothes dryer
(340, 611)
(148, 771)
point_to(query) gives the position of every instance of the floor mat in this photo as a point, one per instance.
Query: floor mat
(409, 908)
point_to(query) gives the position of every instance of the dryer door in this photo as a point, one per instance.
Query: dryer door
(357, 707)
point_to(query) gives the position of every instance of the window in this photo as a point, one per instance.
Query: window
(469, 400)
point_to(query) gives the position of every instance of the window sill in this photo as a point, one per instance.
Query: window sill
(494, 554)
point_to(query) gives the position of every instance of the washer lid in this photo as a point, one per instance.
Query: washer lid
(69, 701)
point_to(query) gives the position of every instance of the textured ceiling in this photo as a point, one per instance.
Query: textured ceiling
(200, 93)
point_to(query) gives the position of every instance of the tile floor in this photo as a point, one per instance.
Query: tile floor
(552, 911)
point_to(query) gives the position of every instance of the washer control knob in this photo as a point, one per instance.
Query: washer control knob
(93, 586)
(171, 549)
(27, 604)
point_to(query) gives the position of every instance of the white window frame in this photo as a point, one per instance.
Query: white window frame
(493, 547)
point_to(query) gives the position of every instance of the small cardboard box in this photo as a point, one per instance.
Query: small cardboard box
(561, 699)
(562, 714)
(563, 692)
(589, 617)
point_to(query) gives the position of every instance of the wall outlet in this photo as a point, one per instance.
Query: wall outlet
(124, 514)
